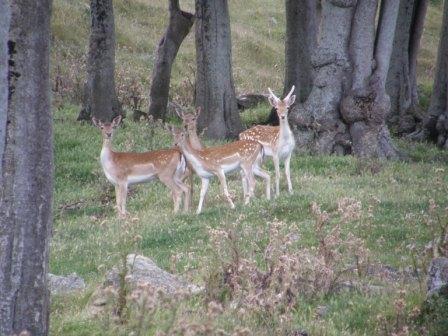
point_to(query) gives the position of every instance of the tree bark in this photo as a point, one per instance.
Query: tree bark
(301, 40)
(100, 97)
(5, 17)
(435, 126)
(366, 106)
(319, 126)
(402, 78)
(27, 170)
(347, 107)
(179, 26)
(215, 91)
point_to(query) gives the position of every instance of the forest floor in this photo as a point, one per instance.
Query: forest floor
(394, 208)
(368, 237)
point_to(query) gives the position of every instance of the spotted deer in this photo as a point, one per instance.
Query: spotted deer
(277, 141)
(244, 155)
(123, 169)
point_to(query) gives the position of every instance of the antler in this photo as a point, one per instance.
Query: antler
(290, 92)
(273, 95)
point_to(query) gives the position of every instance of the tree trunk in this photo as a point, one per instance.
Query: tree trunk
(435, 126)
(319, 126)
(215, 92)
(352, 61)
(26, 170)
(179, 26)
(301, 40)
(402, 83)
(5, 17)
(367, 105)
(100, 97)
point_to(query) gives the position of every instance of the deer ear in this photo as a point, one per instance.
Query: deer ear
(291, 100)
(272, 101)
(116, 121)
(96, 122)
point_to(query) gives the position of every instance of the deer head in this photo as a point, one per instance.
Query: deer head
(282, 105)
(107, 129)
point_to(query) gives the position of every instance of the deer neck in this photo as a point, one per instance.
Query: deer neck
(194, 140)
(106, 151)
(195, 160)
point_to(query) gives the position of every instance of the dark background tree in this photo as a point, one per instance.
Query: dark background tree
(27, 169)
(301, 39)
(5, 16)
(435, 125)
(350, 62)
(179, 26)
(402, 78)
(215, 91)
(100, 97)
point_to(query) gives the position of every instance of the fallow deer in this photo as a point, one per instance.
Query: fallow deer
(277, 141)
(245, 155)
(126, 168)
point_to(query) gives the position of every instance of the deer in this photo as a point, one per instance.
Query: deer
(277, 141)
(244, 155)
(123, 169)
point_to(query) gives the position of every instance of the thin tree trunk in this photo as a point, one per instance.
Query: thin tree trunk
(301, 40)
(418, 24)
(215, 91)
(27, 172)
(435, 125)
(100, 97)
(401, 81)
(179, 26)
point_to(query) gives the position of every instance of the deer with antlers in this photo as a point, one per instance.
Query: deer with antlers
(277, 141)
(244, 155)
(124, 169)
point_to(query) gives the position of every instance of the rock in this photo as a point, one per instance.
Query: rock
(142, 270)
(437, 276)
(249, 100)
(65, 284)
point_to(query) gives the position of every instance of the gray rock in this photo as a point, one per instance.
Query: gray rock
(65, 284)
(437, 275)
(142, 270)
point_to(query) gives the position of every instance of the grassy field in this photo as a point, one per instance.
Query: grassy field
(380, 214)
(88, 238)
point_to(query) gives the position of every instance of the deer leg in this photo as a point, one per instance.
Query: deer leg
(258, 171)
(204, 186)
(250, 180)
(288, 173)
(121, 195)
(186, 191)
(244, 183)
(175, 190)
(222, 180)
(277, 174)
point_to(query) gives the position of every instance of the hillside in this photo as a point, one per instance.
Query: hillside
(257, 42)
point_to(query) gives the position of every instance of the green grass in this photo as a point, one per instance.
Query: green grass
(89, 239)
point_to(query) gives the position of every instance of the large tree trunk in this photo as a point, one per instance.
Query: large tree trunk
(367, 105)
(349, 48)
(26, 178)
(215, 92)
(5, 17)
(179, 26)
(402, 78)
(319, 126)
(301, 40)
(100, 97)
(435, 125)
